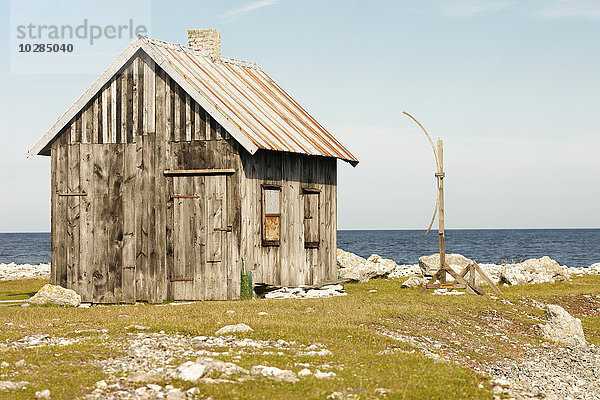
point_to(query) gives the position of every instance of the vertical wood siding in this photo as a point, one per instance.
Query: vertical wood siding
(290, 263)
(110, 200)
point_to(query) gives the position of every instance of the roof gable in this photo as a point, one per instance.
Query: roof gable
(237, 94)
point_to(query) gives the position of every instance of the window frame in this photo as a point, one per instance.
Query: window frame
(311, 191)
(264, 240)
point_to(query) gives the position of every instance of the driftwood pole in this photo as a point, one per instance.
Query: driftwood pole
(440, 178)
(459, 281)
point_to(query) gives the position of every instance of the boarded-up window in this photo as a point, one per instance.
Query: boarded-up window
(271, 207)
(311, 218)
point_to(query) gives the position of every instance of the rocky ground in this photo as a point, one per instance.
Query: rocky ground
(153, 365)
(159, 357)
(13, 271)
(519, 368)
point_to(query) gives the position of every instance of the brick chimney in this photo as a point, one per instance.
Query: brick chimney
(208, 39)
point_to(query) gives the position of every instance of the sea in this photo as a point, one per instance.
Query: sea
(571, 247)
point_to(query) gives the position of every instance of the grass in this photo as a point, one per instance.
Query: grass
(470, 330)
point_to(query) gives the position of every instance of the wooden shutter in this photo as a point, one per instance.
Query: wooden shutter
(312, 238)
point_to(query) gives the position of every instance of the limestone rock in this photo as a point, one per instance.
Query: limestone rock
(431, 264)
(324, 375)
(139, 376)
(207, 368)
(385, 265)
(8, 385)
(535, 270)
(358, 269)
(274, 373)
(191, 371)
(176, 394)
(414, 282)
(218, 368)
(42, 394)
(403, 270)
(231, 329)
(54, 294)
(304, 372)
(561, 327)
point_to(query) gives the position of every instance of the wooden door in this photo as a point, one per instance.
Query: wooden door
(199, 238)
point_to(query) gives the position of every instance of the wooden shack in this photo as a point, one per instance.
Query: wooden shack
(178, 169)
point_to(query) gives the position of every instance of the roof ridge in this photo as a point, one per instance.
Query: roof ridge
(176, 46)
(201, 51)
(241, 63)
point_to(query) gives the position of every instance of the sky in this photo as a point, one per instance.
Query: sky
(510, 86)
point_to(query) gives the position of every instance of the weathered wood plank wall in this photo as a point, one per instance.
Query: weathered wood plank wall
(290, 263)
(111, 243)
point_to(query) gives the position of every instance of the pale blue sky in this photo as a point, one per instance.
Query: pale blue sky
(511, 86)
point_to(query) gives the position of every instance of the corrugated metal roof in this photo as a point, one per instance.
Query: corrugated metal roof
(253, 102)
(256, 111)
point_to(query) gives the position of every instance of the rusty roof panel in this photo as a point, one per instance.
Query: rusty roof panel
(247, 97)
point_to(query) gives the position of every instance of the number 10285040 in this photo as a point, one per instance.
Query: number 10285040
(45, 48)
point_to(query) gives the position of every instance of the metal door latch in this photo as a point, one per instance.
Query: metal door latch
(228, 229)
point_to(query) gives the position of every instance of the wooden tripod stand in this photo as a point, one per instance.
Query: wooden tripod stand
(439, 279)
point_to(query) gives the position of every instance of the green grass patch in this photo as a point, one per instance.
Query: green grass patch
(470, 329)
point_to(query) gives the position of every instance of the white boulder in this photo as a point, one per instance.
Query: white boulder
(414, 282)
(535, 270)
(231, 329)
(561, 327)
(54, 294)
(358, 269)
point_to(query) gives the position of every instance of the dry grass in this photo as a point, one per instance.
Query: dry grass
(348, 326)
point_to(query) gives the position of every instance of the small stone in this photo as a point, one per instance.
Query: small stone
(156, 388)
(86, 305)
(4, 364)
(229, 329)
(138, 327)
(372, 291)
(140, 376)
(414, 282)
(42, 394)
(20, 363)
(191, 371)
(141, 390)
(101, 385)
(324, 375)
(193, 391)
(304, 372)
(263, 313)
(382, 391)
(176, 394)
(230, 311)
(497, 390)
(8, 385)
(274, 373)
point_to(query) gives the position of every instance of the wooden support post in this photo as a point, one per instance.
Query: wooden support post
(440, 179)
